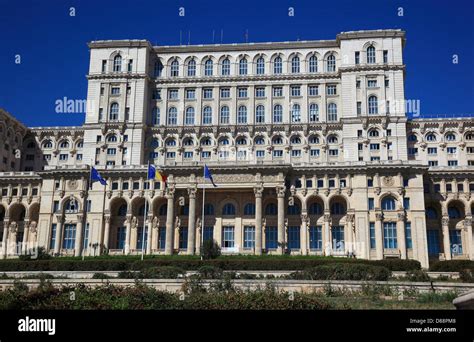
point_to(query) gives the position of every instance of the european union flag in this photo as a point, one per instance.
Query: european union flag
(208, 175)
(95, 176)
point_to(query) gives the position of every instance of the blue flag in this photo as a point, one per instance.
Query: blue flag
(207, 175)
(95, 176)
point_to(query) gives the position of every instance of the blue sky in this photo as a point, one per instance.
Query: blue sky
(55, 57)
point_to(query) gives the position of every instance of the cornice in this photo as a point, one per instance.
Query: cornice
(126, 43)
(116, 75)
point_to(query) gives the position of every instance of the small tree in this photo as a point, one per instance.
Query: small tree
(210, 249)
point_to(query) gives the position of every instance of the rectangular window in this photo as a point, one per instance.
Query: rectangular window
(313, 90)
(357, 57)
(173, 94)
(278, 153)
(249, 236)
(357, 84)
(408, 240)
(452, 163)
(360, 147)
(296, 153)
(190, 94)
(63, 157)
(372, 235)
(375, 147)
(260, 153)
(413, 151)
(242, 92)
(52, 241)
(55, 206)
(228, 237)
(315, 238)
(387, 83)
(338, 238)
(389, 235)
(207, 93)
(111, 151)
(433, 242)
(277, 91)
(206, 154)
(161, 238)
(104, 65)
(271, 237)
(115, 91)
(69, 238)
(385, 56)
(371, 204)
(320, 183)
(333, 153)
(359, 108)
(295, 91)
(260, 92)
(371, 83)
(188, 154)
(314, 152)
(208, 233)
(156, 94)
(293, 237)
(170, 155)
(406, 203)
(86, 237)
(455, 241)
(331, 89)
(225, 93)
(451, 150)
(183, 237)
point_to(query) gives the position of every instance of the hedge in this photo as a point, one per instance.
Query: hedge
(343, 272)
(452, 266)
(234, 263)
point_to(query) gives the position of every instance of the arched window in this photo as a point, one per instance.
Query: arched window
(243, 66)
(30, 145)
(122, 210)
(114, 111)
(313, 64)
(208, 66)
(314, 140)
(332, 112)
(224, 141)
(191, 68)
(189, 119)
(241, 141)
(412, 138)
(259, 141)
(64, 144)
(296, 113)
(431, 137)
(225, 115)
(431, 213)
(228, 209)
(158, 69)
(163, 210)
(188, 142)
(154, 143)
(315, 209)
(277, 65)
(295, 140)
(174, 71)
(48, 144)
(171, 142)
(71, 207)
(469, 136)
(332, 139)
(454, 213)
(450, 137)
(277, 140)
(172, 116)
(313, 113)
(260, 66)
(112, 138)
(225, 70)
(207, 116)
(294, 209)
(388, 203)
(370, 55)
(249, 209)
(208, 209)
(155, 116)
(206, 142)
(117, 63)
(373, 133)
(277, 113)
(338, 209)
(260, 114)
(331, 63)
(295, 65)
(373, 105)
(242, 115)
(271, 209)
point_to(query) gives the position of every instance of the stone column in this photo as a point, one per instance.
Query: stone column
(401, 235)
(169, 222)
(59, 229)
(149, 234)
(258, 219)
(106, 231)
(5, 238)
(304, 233)
(26, 231)
(327, 246)
(446, 242)
(128, 234)
(378, 236)
(192, 222)
(281, 218)
(198, 235)
(78, 242)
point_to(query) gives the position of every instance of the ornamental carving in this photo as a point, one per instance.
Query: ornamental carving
(281, 190)
(72, 184)
(156, 222)
(177, 222)
(13, 227)
(445, 221)
(401, 216)
(379, 216)
(388, 181)
(258, 190)
(305, 218)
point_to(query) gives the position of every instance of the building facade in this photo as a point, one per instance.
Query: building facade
(308, 143)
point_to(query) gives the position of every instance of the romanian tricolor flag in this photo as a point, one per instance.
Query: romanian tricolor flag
(153, 173)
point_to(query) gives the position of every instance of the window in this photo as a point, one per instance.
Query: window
(331, 63)
(293, 237)
(277, 114)
(174, 69)
(357, 57)
(191, 68)
(207, 93)
(388, 203)
(313, 113)
(228, 237)
(117, 63)
(249, 236)
(387, 82)
(225, 68)
(338, 238)
(260, 92)
(172, 116)
(208, 233)
(271, 209)
(64, 144)
(452, 163)
(228, 209)
(63, 157)
(455, 241)
(313, 90)
(242, 115)
(271, 237)
(370, 55)
(111, 151)
(295, 65)
(158, 69)
(406, 203)
(454, 213)
(69, 239)
(374, 147)
(140, 239)
(161, 238)
(431, 137)
(371, 204)
(371, 83)
(332, 112)
(315, 238)
(296, 113)
(209, 209)
(333, 153)
(432, 163)
(385, 56)
(277, 91)
(331, 89)
(114, 112)
(260, 66)
(243, 67)
(296, 153)
(225, 93)
(155, 116)
(408, 240)
(373, 105)
(208, 66)
(189, 117)
(338, 209)
(190, 94)
(104, 66)
(115, 90)
(242, 92)
(389, 235)
(295, 91)
(358, 84)
(313, 64)
(130, 65)
(451, 150)
(260, 114)
(277, 153)
(372, 235)
(277, 66)
(183, 238)
(433, 242)
(225, 115)
(315, 209)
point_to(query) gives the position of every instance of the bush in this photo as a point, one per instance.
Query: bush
(343, 272)
(466, 276)
(210, 272)
(417, 275)
(210, 249)
(452, 266)
(164, 272)
(101, 276)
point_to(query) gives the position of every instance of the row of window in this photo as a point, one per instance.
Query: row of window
(433, 137)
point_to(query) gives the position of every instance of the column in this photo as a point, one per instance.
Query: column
(149, 234)
(106, 232)
(155, 234)
(281, 218)
(378, 236)
(5, 238)
(258, 219)
(26, 232)
(349, 248)
(78, 241)
(304, 233)
(470, 247)
(327, 234)
(401, 235)
(198, 235)
(192, 222)
(59, 229)
(128, 234)
(446, 242)
(169, 222)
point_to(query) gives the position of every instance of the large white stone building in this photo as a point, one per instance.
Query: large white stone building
(308, 143)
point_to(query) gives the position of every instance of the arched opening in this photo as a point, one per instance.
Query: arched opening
(433, 229)
(457, 237)
(293, 233)
(315, 209)
(118, 224)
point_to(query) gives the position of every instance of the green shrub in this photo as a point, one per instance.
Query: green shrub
(343, 272)
(466, 276)
(210, 272)
(417, 275)
(452, 265)
(164, 272)
(210, 249)
(99, 275)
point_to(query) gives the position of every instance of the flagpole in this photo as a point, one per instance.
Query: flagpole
(145, 215)
(202, 219)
